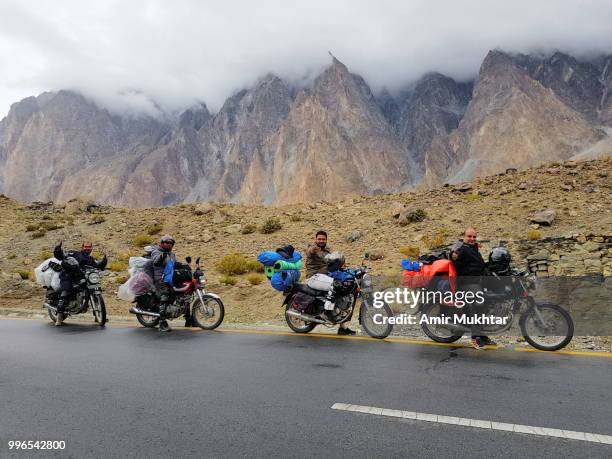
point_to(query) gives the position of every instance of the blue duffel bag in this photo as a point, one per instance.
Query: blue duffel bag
(283, 280)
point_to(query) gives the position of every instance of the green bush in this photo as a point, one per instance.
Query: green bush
(270, 226)
(473, 197)
(416, 215)
(121, 279)
(234, 263)
(153, 229)
(11, 256)
(435, 240)
(249, 228)
(117, 266)
(38, 234)
(125, 255)
(141, 240)
(228, 280)
(97, 219)
(45, 254)
(31, 227)
(50, 225)
(410, 251)
(255, 266)
(255, 279)
(534, 234)
(23, 273)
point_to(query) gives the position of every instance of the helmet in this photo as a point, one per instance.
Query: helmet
(335, 261)
(167, 238)
(499, 259)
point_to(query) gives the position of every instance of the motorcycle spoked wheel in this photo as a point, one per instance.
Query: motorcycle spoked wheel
(53, 316)
(437, 333)
(295, 324)
(99, 309)
(147, 321)
(207, 312)
(556, 317)
(366, 318)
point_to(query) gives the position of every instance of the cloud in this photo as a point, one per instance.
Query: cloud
(127, 54)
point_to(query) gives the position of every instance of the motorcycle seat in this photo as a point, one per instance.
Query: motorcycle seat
(307, 290)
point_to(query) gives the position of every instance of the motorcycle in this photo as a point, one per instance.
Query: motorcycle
(86, 293)
(546, 326)
(189, 298)
(305, 306)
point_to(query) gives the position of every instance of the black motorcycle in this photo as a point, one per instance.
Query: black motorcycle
(86, 293)
(305, 307)
(546, 326)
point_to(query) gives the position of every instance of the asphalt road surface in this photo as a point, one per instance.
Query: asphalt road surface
(132, 392)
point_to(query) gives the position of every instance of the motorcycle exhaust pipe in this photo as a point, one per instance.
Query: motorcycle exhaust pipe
(307, 317)
(51, 308)
(143, 313)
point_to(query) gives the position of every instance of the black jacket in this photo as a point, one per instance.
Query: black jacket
(83, 258)
(469, 262)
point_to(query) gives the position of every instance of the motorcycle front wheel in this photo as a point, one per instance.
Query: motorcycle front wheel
(53, 316)
(207, 311)
(99, 309)
(549, 328)
(375, 320)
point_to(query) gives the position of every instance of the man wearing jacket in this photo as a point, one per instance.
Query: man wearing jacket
(161, 255)
(317, 264)
(72, 272)
(470, 266)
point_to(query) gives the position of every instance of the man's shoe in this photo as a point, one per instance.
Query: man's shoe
(477, 343)
(58, 319)
(487, 341)
(189, 322)
(346, 331)
(164, 327)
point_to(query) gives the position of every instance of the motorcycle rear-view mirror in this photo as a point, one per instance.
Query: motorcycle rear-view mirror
(188, 260)
(198, 261)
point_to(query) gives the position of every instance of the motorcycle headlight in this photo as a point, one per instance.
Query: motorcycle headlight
(93, 278)
(366, 281)
(202, 280)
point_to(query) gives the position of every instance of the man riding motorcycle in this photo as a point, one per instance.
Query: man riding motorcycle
(72, 263)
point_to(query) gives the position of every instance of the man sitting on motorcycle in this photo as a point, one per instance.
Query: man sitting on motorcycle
(316, 263)
(72, 263)
(471, 266)
(161, 255)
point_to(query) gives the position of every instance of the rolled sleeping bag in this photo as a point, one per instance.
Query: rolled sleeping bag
(268, 258)
(283, 280)
(283, 265)
(410, 265)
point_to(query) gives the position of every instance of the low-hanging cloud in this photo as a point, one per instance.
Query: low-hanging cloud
(141, 55)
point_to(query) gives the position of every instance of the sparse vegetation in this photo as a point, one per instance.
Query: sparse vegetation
(472, 197)
(121, 279)
(31, 227)
(11, 256)
(410, 251)
(534, 235)
(249, 228)
(50, 225)
(23, 273)
(153, 229)
(295, 218)
(125, 255)
(270, 226)
(141, 240)
(38, 234)
(117, 266)
(435, 240)
(255, 278)
(97, 219)
(234, 263)
(415, 216)
(45, 254)
(228, 280)
(255, 266)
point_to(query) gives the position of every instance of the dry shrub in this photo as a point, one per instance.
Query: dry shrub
(255, 279)
(228, 280)
(141, 240)
(534, 235)
(234, 263)
(410, 251)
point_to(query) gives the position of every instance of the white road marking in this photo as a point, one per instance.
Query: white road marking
(478, 423)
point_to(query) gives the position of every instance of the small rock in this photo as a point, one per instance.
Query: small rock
(591, 246)
(573, 213)
(590, 189)
(566, 187)
(218, 218)
(203, 208)
(207, 237)
(545, 217)
(353, 236)
(395, 209)
(376, 254)
(233, 229)
(522, 186)
(463, 187)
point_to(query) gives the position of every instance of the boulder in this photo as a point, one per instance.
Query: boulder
(376, 254)
(395, 209)
(544, 217)
(353, 236)
(203, 208)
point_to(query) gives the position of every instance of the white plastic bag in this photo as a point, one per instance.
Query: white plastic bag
(320, 282)
(139, 284)
(55, 280)
(44, 274)
(137, 264)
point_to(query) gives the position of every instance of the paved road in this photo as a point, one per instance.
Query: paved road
(132, 392)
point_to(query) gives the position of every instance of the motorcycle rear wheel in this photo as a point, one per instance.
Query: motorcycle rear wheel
(435, 331)
(147, 321)
(297, 325)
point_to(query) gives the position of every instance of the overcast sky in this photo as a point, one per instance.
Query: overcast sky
(125, 53)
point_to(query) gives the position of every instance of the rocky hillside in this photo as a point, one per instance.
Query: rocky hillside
(276, 144)
(501, 207)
